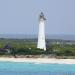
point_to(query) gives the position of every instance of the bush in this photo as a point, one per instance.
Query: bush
(27, 51)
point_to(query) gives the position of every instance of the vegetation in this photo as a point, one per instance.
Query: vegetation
(28, 47)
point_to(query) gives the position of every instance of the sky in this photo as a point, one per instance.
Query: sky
(21, 16)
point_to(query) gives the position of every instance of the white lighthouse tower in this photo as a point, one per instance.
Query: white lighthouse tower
(41, 36)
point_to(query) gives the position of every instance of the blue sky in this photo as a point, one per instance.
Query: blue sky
(21, 16)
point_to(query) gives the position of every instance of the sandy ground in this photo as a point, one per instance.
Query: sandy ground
(39, 60)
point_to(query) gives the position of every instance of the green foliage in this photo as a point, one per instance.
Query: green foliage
(63, 50)
(28, 47)
(26, 51)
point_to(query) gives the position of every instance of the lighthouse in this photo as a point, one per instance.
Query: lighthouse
(41, 35)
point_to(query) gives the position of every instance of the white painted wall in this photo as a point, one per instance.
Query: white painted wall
(41, 36)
